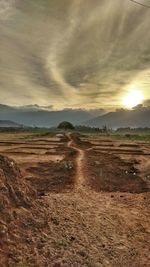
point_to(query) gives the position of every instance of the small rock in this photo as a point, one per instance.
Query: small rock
(3, 230)
(55, 220)
(29, 240)
(82, 253)
(72, 238)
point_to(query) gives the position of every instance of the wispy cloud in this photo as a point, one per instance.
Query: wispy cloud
(72, 53)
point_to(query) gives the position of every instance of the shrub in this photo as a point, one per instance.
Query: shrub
(66, 125)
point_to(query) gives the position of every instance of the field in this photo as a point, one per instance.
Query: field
(74, 200)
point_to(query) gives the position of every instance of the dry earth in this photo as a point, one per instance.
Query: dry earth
(74, 201)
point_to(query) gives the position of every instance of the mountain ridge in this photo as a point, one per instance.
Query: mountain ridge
(9, 123)
(45, 116)
(122, 118)
(34, 115)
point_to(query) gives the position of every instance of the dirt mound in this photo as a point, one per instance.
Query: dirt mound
(15, 191)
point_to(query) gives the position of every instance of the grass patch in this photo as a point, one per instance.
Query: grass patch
(132, 137)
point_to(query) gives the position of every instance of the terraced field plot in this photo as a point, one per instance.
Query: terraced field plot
(32, 154)
(116, 165)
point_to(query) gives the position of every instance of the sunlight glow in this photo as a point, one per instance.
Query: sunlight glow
(134, 98)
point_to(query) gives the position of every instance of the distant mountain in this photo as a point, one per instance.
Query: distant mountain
(34, 115)
(7, 123)
(122, 118)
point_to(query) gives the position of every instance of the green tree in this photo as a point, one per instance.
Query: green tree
(65, 125)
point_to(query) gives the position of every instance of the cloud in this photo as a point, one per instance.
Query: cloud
(147, 103)
(72, 53)
(7, 8)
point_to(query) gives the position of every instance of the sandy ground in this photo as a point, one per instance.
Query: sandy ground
(92, 208)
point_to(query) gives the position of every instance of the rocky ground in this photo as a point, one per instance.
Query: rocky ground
(73, 205)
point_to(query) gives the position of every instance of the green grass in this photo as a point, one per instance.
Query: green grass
(116, 136)
(132, 137)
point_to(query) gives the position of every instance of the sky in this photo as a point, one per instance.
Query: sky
(74, 53)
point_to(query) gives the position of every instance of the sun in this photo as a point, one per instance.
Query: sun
(134, 98)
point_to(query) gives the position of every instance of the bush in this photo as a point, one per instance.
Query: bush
(67, 165)
(65, 125)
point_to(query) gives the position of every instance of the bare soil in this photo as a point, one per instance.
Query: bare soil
(75, 206)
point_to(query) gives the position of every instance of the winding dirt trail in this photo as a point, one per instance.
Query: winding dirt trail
(79, 161)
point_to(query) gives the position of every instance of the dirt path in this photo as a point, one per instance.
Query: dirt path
(79, 161)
